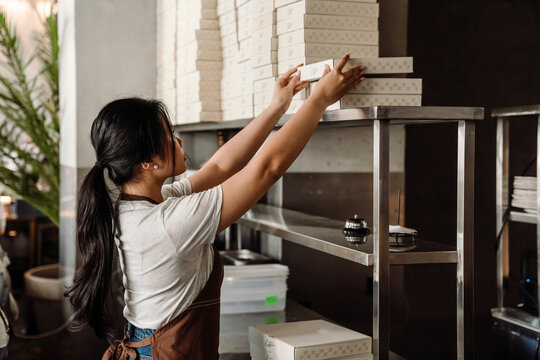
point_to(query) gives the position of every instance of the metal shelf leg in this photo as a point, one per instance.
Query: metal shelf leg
(465, 240)
(381, 269)
(502, 188)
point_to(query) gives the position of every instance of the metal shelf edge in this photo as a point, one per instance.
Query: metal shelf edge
(523, 217)
(516, 111)
(517, 317)
(362, 116)
(278, 227)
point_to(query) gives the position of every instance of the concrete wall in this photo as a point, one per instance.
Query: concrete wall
(107, 52)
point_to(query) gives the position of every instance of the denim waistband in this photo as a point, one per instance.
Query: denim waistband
(132, 330)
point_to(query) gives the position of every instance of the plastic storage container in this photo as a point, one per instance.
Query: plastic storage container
(254, 288)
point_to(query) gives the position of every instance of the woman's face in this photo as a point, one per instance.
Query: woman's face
(179, 157)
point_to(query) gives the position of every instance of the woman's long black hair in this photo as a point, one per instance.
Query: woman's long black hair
(125, 133)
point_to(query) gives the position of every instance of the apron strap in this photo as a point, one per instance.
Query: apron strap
(122, 349)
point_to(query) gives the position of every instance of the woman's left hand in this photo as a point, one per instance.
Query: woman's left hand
(285, 88)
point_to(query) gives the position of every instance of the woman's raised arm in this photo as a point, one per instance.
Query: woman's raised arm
(237, 152)
(245, 188)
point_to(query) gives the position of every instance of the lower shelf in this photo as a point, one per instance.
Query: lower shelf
(326, 235)
(233, 336)
(517, 317)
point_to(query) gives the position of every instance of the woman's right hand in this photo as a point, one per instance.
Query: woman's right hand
(334, 84)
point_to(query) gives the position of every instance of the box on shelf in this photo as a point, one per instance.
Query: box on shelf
(194, 96)
(224, 6)
(314, 67)
(260, 7)
(228, 29)
(265, 71)
(227, 18)
(263, 85)
(329, 36)
(328, 50)
(253, 288)
(229, 306)
(327, 7)
(200, 86)
(264, 58)
(258, 353)
(315, 340)
(263, 21)
(280, 3)
(260, 46)
(358, 100)
(199, 106)
(198, 116)
(311, 21)
(388, 86)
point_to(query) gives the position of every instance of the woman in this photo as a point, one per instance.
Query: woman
(172, 272)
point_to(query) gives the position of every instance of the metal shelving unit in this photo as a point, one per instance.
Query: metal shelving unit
(325, 235)
(503, 115)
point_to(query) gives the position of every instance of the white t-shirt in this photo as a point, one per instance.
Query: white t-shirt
(165, 252)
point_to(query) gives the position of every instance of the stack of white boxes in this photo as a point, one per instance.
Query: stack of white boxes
(311, 29)
(302, 340)
(264, 46)
(373, 91)
(236, 82)
(166, 63)
(198, 62)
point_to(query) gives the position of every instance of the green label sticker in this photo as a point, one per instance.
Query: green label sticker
(271, 320)
(271, 300)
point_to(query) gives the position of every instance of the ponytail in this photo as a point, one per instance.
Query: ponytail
(90, 293)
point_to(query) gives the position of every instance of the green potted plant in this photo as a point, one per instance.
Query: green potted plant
(29, 120)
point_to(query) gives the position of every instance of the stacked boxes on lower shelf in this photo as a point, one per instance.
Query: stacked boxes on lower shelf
(302, 340)
(198, 62)
(254, 288)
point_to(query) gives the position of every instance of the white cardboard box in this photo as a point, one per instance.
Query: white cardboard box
(329, 36)
(201, 65)
(395, 86)
(229, 40)
(258, 353)
(264, 33)
(263, 85)
(238, 113)
(358, 100)
(316, 340)
(263, 46)
(199, 106)
(315, 67)
(227, 18)
(280, 3)
(224, 6)
(264, 58)
(263, 21)
(327, 7)
(203, 86)
(261, 7)
(264, 71)
(328, 50)
(200, 116)
(194, 96)
(228, 29)
(244, 50)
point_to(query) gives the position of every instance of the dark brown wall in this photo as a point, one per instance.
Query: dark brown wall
(469, 53)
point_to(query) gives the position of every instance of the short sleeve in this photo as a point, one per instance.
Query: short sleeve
(176, 189)
(192, 220)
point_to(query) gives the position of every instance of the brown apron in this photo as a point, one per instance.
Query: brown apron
(193, 335)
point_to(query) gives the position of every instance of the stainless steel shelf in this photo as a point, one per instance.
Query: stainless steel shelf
(234, 340)
(363, 116)
(326, 235)
(523, 217)
(516, 111)
(517, 317)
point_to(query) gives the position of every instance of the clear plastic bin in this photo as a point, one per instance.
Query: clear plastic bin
(254, 288)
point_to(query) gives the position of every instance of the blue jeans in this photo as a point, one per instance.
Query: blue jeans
(135, 334)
